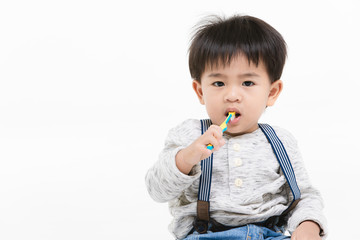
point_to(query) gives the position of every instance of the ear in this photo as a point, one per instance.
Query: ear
(198, 90)
(275, 90)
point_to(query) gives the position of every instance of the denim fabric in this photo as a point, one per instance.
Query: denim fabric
(248, 232)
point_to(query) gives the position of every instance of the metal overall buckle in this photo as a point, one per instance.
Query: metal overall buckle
(201, 226)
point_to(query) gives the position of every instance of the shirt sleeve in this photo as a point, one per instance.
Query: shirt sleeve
(310, 206)
(164, 181)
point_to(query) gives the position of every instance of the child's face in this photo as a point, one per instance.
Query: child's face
(239, 87)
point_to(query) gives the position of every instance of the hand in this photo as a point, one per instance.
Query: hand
(307, 230)
(197, 151)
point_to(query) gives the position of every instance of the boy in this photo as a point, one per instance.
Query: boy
(236, 65)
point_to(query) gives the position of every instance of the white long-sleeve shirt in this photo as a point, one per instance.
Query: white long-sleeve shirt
(247, 186)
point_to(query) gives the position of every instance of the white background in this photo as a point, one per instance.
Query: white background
(89, 90)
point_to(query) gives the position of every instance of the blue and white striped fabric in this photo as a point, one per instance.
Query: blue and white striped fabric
(206, 168)
(282, 158)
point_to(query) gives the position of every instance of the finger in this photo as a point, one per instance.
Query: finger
(222, 142)
(205, 152)
(216, 131)
(216, 143)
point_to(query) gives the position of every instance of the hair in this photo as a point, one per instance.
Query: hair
(218, 40)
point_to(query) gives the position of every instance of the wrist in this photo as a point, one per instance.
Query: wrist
(309, 224)
(181, 163)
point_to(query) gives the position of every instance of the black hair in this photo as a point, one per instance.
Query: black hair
(218, 40)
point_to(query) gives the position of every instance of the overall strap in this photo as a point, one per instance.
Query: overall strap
(286, 168)
(203, 203)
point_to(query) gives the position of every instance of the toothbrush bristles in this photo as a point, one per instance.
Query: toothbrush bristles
(233, 114)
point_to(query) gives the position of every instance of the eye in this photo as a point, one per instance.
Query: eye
(248, 83)
(218, 84)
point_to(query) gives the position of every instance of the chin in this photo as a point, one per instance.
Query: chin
(238, 130)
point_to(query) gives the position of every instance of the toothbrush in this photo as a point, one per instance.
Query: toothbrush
(231, 116)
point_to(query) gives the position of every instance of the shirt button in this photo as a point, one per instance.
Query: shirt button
(238, 162)
(238, 182)
(236, 147)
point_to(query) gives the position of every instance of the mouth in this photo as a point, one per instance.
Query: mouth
(237, 114)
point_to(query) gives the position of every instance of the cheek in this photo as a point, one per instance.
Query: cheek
(210, 98)
(258, 105)
(213, 108)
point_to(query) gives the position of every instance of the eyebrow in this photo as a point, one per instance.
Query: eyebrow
(220, 75)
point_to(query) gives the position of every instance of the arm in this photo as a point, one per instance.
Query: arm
(307, 219)
(307, 230)
(309, 210)
(195, 152)
(178, 165)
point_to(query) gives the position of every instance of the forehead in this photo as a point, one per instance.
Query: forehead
(239, 64)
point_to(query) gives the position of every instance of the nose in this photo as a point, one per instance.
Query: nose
(233, 94)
